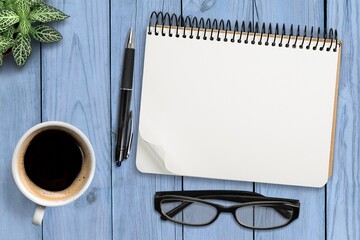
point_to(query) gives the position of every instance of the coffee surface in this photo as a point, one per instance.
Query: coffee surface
(53, 160)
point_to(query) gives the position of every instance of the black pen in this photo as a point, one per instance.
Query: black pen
(125, 128)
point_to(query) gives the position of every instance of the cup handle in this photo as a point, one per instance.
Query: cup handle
(38, 215)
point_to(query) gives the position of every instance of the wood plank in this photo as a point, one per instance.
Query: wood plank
(224, 227)
(343, 189)
(311, 222)
(76, 89)
(134, 216)
(19, 111)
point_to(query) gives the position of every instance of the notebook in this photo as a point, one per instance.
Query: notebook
(247, 102)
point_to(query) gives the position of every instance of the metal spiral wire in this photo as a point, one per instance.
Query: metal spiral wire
(249, 30)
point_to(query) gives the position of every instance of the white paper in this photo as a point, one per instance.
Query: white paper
(237, 111)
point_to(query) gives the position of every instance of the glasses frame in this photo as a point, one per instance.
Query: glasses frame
(244, 199)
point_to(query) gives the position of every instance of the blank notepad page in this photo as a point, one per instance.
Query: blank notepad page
(238, 111)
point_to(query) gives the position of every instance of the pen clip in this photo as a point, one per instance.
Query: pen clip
(131, 120)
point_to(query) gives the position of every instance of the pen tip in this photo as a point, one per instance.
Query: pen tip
(118, 164)
(130, 43)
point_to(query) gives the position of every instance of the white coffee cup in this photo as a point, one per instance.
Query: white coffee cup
(45, 198)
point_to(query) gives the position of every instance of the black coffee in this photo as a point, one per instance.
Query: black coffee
(53, 160)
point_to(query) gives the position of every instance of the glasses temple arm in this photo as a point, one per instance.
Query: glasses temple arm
(176, 210)
(286, 214)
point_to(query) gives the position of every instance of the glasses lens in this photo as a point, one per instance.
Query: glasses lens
(188, 212)
(264, 216)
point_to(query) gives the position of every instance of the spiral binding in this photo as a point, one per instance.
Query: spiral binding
(158, 20)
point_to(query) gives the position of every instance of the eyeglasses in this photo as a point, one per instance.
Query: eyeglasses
(201, 208)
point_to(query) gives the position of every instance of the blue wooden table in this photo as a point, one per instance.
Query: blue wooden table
(77, 81)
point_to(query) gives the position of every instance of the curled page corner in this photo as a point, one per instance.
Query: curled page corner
(151, 157)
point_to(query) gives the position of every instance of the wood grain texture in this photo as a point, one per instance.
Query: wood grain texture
(311, 222)
(134, 216)
(80, 85)
(343, 188)
(309, 12)
(225, 226)
(76, 89)
(19, 111)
